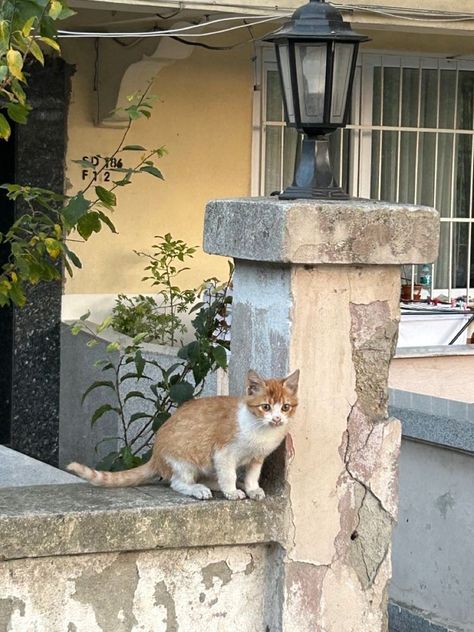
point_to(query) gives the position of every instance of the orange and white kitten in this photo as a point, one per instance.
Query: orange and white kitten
(204, 442)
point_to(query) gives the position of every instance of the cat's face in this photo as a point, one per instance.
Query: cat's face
(273, 402)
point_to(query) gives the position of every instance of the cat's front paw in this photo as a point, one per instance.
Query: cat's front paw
(256, 494)
(235, 494)
(201, 492)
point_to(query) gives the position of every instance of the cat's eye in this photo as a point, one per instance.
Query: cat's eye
(265, 407)
(285, 408)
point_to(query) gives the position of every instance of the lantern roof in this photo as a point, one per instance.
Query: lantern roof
(316, 20)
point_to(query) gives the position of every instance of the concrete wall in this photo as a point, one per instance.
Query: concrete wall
(74, 558)
(433, 544)
(437, 374)
(216, 588)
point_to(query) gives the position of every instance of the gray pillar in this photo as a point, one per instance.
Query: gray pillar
(317, 287)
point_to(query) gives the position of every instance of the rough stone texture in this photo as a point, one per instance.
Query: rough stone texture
(72, 519)
(345, 444)
(39, 161)
(315, 232)
(215, 588)
(341, 333)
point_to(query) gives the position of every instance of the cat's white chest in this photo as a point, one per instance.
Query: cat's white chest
(253, 439)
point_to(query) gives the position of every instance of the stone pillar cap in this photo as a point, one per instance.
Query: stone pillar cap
(321, 231)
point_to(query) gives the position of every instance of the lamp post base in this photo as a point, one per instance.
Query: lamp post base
(314, 178)
(298, 193)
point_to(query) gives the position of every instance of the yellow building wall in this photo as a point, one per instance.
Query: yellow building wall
(203, 118)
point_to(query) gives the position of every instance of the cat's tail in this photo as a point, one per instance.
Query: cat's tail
(128, 478)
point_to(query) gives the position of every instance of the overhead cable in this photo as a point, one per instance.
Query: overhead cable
(182, 31)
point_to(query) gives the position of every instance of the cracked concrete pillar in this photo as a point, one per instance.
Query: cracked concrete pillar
(317, 287)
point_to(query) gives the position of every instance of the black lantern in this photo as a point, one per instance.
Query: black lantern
(316, 54)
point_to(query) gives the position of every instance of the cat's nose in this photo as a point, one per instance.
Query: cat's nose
(276, 420)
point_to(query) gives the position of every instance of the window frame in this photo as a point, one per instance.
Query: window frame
(360, 152)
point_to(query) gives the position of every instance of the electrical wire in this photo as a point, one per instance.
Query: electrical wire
(408, 14)
(183, 31)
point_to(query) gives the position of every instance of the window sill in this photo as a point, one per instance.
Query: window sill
(54, 520)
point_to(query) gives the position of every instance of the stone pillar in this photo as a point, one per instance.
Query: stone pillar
(317, 287)
(34, 335)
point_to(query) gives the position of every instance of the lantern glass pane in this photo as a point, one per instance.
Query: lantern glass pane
(311, 74)
(284, 59)
(343, 54)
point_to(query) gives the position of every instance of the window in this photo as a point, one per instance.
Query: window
(411, 139)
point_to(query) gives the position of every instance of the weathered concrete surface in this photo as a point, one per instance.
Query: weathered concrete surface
(315, 232)
(73, 519)
(433, 544)
(317, 288)
(213, 588)
(342, 423)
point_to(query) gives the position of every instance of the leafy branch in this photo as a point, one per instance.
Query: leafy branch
(159, 389)
(38, 241)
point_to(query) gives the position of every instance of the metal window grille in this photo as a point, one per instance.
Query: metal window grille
(411, 139)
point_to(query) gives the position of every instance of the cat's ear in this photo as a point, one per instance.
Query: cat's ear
(254, 382)
(291, 382)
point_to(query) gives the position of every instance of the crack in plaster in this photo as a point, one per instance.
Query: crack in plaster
(367, 558)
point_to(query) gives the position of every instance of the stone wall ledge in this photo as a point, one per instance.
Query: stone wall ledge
(56, 520)
(439, 430)
(312, 232)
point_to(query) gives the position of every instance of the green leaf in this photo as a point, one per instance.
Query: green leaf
(133, 148)
(153, 171)
(5, 129)
(92, 343)
(181, 392)
(75, 209)
(139, 363)
(4, 35)
(220, 356)
(101, 411)
(105, 196)
(55, 9)
(72, 256)
(88, 224)
(98, 384)
(105, 323)
(36, 52)
(113, 346)
(15, 63)
(28, 25)
(51, 43)
(190, 351)
(86, 315)
(66, 12)
(159, 420)
(16, 89)
(137, 416)
(138, 394)
(107, 221)
(18, 112)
